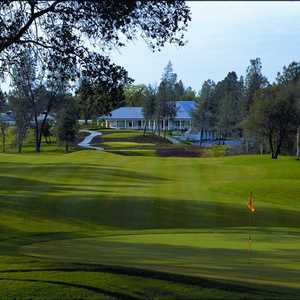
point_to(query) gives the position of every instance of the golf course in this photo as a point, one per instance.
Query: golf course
(129, 223)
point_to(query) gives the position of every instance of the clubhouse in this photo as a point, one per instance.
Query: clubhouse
(133, 118)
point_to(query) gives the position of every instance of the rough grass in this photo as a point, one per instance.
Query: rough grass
(97, 225)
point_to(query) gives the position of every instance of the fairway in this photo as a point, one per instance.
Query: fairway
(102, 225)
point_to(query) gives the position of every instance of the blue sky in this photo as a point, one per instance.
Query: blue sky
(222, 37)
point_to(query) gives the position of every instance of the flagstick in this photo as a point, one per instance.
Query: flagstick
(249, 237)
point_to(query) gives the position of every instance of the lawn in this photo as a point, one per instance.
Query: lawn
(135, 143)
(100, 225)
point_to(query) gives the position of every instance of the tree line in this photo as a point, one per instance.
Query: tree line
(265, 116)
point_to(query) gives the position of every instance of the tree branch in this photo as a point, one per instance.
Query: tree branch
(16, 37)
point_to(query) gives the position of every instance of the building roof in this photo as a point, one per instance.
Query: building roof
(184, 109)
(125, 113)
(6, 118)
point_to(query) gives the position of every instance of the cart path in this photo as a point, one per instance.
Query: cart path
(86, 143)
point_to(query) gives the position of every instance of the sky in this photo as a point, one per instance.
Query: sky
(222, 37)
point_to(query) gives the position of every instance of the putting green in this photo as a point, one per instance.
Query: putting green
(272, 257)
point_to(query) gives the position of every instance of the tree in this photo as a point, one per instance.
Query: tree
(290, 74)
(3, 121)
(84, 98)
(208, 94)
(98, 97)
(28, 84)
(165, 98)
(168, 75)
(208, 89)
(254, 81)
(179, 90)
(23, 115)
(201, 117)
(149, 106)
(58, 30)
(230, 108)
(67, 123)
(3, 103)
(220, 108)
(189, 94)
(165, 105)
(204, 116)
(274, 115)
(47, 131)
(134, 94)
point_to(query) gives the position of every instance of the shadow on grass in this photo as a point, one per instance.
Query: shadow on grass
(115, 205)
(104, 173)
(94, 289)
(253, 291)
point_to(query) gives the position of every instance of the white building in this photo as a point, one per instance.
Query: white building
(133, 118)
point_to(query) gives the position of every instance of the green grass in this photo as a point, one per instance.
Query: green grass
(112, 133)
(215, 151)
(125, 145)
(98, 225)
(135, 143)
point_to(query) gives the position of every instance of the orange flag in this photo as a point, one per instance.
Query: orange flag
(250, 203)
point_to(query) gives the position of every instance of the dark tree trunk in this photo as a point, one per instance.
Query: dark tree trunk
(37, 134)
(201, 137)
(3, 142)
(39, 142)
(271, 144)
(158, 128)
(145, 128)
(278, 146)
(219, 138)
(275, 148)
(19, 146)
(67, 147)
(3, 138)
(297, 143)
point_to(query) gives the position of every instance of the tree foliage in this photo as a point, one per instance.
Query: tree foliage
(3, 122)
(28, 90)
(134, 94)
(67, 123)
(179, 90)
(231, 105)
(22, 114)
(96, 97)
(274, 115)
(254, 80)
(149, 105)
(289, 74)
(220, 107)
(58, 30)
(160, 104)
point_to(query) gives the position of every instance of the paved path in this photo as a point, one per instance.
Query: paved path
(86, 143)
